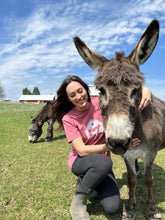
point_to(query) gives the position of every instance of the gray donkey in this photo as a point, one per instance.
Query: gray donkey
(46, 114)
(120, 83)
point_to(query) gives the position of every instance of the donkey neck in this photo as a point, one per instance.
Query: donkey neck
(142, 117)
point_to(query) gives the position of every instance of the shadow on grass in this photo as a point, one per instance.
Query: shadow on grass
(60, 137)
(95, 208)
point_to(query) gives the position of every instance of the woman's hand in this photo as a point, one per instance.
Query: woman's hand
(146, 98)
(135, 144)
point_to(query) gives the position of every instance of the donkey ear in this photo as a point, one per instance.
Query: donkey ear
(93, 59)
(146, 44)
(39, 122)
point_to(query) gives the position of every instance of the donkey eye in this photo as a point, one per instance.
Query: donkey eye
(102, 93)
(134, 94)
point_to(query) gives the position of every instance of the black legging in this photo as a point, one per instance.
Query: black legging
(97, 173)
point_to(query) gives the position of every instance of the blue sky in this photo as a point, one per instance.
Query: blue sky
(36, 40)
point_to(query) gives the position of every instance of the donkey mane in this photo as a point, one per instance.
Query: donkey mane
(41, 114)
(119, 70)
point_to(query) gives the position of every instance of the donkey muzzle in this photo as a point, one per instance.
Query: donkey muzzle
(118, 133)
(118, 146)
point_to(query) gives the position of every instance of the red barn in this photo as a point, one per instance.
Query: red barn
(36, 98)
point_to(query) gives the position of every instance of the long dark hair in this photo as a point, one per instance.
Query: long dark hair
(63, 105)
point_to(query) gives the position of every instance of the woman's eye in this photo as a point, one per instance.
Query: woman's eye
(80, 91)
(72, 95)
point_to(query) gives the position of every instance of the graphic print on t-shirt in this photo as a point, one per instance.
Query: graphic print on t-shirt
(94, 127)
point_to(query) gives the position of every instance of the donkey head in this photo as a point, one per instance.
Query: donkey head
(35, 129)
(120, 83)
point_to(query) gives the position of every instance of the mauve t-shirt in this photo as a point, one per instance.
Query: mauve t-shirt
(87, 124)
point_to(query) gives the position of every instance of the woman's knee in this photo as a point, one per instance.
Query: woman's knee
(104, 163)
(111, 206)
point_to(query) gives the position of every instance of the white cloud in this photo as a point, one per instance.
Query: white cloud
(41, 50)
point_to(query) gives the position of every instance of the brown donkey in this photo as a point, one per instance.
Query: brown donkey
(120, 83)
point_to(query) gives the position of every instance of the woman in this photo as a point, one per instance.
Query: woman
(89, 159)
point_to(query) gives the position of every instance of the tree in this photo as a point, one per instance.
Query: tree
(36, 91)
(1, 92)
(26, 91)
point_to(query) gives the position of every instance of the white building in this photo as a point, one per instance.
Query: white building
(93, 91)
(36, 98)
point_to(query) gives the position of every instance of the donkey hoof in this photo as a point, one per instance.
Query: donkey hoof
(128, 214)
(48, 139)
(153, 215)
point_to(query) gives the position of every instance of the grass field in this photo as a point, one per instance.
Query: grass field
(35, 181)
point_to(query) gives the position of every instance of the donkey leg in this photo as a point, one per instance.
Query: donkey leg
(129, 212)
(49, 131)
(132, 179)
(149, 183)
(47, 135)
(137, 167)
(152, 212)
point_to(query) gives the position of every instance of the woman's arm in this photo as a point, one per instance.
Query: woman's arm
(146, 98)
(84, 150)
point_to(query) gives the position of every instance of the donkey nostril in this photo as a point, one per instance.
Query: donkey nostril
(111, 142)
(115, 143)
(119, 143)
(126, 143)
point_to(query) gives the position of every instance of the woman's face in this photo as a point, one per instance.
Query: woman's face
(77, 95)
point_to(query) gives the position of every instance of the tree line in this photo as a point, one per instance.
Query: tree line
(26, 91)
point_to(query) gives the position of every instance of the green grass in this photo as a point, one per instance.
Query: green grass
(35, 181)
